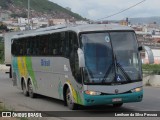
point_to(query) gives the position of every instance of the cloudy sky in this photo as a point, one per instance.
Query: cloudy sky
(95, 9)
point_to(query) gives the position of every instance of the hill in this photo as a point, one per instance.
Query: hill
(39, 8)
(145, 20)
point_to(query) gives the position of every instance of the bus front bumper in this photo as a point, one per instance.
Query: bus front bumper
(90, 100)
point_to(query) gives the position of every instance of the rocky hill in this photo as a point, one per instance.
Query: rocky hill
(39, 8)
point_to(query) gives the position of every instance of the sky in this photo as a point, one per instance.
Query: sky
(97, 9)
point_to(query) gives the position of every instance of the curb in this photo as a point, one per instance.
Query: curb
(4, 68)
(152, 80)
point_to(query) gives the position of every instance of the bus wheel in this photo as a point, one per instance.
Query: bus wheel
(69, 100)
(117, 105)
(25, 92)
(30, 89)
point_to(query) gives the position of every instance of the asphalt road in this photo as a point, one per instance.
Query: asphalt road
(15, 100)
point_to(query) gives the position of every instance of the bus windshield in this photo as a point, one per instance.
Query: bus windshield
(126, 53)
(110, 57)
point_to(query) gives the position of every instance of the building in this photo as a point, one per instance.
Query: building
(156, 54)
(81, 22)
(4, 16)
(57, 22)
(156, 38)
(153, 41)
(43, 23)
(23, 21)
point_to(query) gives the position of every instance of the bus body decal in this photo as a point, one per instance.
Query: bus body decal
(21, 66)
(60, 90)
(24, 68)
(31, 71)
(76, 95)
(15, 67)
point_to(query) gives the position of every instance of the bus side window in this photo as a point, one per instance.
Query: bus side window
(67, 45)
(50, 47)
(14, 48)
(28, 51)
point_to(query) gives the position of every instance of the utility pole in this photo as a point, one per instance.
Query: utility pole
(28, 14)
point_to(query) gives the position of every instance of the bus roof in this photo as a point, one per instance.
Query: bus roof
(76, 28)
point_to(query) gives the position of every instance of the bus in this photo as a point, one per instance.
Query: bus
(94, 64)
(7, 48)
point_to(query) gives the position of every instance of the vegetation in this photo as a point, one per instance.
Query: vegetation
(3, 27)
(4, 3)
(151, 69)
(24, 15)
(3, 108)
(45, 6)
(1, 50)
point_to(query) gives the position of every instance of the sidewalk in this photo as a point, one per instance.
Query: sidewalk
(4, 68)
(151, 80)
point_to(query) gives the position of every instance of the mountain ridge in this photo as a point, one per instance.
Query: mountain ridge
(40, 8)
(145, 20)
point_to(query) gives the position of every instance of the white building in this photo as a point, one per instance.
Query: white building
(156, 54)
(43, 23)
(22, 21)
(81, 22)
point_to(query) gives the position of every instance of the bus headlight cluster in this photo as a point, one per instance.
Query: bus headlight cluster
(137, 89)
(92, 92)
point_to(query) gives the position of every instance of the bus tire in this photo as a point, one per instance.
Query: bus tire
(30, 90)
(24, 88)
(71, 105)
(10, 72)
(117, 105)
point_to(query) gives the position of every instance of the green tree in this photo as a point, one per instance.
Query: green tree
(3, 27)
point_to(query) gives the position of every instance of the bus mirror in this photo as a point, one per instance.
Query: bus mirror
(81, 58)
(140, 48)
(149, 53)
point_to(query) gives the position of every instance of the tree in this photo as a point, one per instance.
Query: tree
(3, 27)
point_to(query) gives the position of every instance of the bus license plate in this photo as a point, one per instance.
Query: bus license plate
(117, 100)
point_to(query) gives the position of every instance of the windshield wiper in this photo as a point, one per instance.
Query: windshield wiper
(121, 68)
(107, 73)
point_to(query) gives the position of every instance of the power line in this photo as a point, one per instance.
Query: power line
(122, 10)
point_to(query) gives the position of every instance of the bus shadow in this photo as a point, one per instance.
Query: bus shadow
(82, 111)
(49, 99)
(104, 108)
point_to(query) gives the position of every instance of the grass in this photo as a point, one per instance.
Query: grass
(152, 69)
(3, 108)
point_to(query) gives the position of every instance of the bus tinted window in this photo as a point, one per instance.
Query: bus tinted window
(55, 44)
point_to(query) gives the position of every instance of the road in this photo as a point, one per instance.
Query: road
(13, 98)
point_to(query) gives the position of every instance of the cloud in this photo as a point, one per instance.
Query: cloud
(95, 9)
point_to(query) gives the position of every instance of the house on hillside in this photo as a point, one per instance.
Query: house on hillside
(57, 22)
(4, 16)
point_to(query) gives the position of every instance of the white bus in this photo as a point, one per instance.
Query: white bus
(82, 65)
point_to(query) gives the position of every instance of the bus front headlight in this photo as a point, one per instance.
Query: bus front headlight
(92, 92)
(137, 89)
